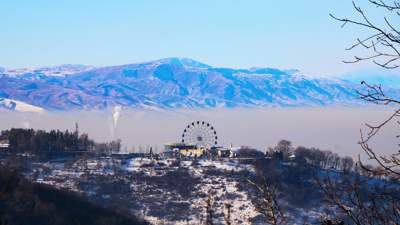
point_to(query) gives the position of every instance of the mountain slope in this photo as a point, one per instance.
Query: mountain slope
(387, 78)
(173, 83)
(18, 106)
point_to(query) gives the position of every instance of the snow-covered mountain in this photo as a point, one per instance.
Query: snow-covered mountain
(171, 83)
(19, 106)
(387, 78)
(37, 73)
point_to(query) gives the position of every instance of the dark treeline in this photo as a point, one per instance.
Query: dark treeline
(324, 159)
(54, 142)
(316, 157)
(40, 141)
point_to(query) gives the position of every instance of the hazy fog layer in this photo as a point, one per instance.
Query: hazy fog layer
(335, 129)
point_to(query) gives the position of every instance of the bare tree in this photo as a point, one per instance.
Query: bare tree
(209, 209)
(383, 41)
(285, 147)
(227, 212)
(360, 201)
(227, 215)
(356, 196)
(347, 164)
(268, 205)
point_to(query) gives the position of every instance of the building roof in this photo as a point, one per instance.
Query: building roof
(4, 141)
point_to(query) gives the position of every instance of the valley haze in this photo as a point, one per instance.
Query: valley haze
(328, 128)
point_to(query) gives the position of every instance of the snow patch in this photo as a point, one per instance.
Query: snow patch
(19, 106)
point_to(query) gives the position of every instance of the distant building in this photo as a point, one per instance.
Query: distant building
(292, 157)
(183, 150)
(4, 144)
(223, 152)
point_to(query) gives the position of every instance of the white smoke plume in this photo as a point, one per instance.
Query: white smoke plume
(25, 123)
(115, 117)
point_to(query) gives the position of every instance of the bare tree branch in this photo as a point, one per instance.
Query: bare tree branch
(382, 44)
(269, 206)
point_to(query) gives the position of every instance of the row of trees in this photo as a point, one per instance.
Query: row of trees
(39, 141)
(55, 142)
(107, 148)
(324, 159)
(314, 156)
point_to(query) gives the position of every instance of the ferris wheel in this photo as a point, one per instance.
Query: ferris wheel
(200, 133)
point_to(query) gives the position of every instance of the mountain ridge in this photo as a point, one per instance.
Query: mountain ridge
(171, 83)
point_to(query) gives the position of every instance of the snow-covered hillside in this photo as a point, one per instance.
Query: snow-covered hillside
(37, 73)
(167, 191)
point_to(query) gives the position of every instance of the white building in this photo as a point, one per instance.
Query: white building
(4, 144)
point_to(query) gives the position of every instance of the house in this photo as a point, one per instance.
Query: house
(292, 157)
(4, 144)
(223, 152)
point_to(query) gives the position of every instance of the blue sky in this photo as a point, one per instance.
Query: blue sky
(230, 33)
